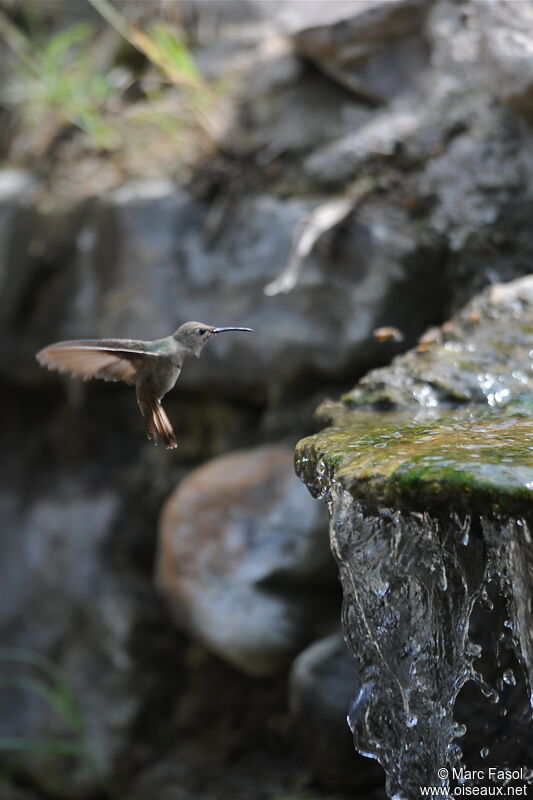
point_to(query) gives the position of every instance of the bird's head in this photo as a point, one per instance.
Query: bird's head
(193, 335)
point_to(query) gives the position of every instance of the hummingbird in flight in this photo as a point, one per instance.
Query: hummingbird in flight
(152, 367)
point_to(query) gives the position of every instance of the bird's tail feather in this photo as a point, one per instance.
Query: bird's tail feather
(158, 427)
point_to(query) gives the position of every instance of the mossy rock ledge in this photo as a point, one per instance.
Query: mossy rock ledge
(447, 425)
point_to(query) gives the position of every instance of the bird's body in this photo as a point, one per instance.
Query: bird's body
(152, 367)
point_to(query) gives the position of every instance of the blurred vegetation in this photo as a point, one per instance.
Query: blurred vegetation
(132, 89)
(27, 671)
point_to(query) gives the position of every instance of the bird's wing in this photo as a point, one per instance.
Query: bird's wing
(109, 359)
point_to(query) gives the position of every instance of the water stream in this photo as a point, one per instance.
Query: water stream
(411, 582)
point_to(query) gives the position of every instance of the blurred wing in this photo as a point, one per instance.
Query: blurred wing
(94, 359)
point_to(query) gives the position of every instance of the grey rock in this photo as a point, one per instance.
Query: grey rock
(466, 360)
(241, 547)
(373, 48)
(475, 178)
(278, 93)
(321, 689)
(507, 48)
(377, 136)
(62, 602)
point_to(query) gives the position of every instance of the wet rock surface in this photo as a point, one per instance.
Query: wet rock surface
(250, 576)
(478, 458)
(481, 355)
(431, 510)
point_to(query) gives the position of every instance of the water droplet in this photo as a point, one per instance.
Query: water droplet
(509, 677)
(488, 691)
(455, 753)
(484, 752)
(484, 601)
(473, 650)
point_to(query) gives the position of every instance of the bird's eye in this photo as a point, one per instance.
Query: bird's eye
(201, 331)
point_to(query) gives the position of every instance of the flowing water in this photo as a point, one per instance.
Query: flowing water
(411, 583)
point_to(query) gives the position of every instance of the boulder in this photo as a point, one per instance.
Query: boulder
(321, 689)
(243, 559)
(507, 49)
(374, 48)
(464, 361)
(65, 622)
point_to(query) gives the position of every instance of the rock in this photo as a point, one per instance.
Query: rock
(374, 48)
(240, 549)
(250, 752)
(62, 603)
(506, 46)
(322, 687)
(483, 167)
(423, 464)
(278, 93)
(379, 136)
(467, 360)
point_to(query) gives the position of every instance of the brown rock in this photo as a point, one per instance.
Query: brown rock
(243, 559)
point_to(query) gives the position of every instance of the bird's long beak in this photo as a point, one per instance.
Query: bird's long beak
(221, 330)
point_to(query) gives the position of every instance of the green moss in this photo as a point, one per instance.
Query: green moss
(476, 458)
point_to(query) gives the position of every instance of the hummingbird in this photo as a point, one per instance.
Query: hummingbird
(152, 367)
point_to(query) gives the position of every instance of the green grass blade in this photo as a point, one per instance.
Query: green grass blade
(60, 695)
(15, 744)
(174, 50)
(58, 700)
